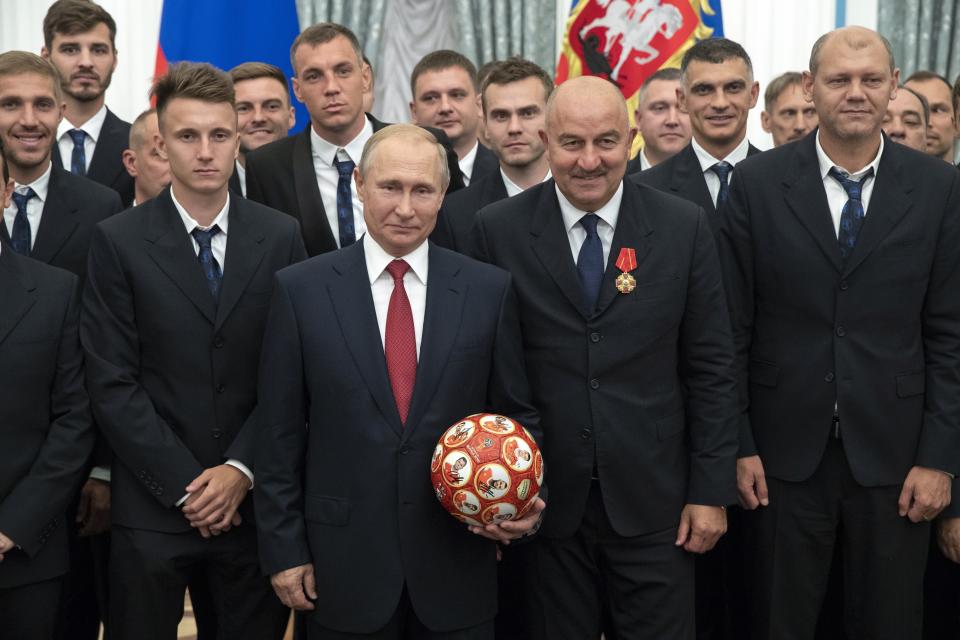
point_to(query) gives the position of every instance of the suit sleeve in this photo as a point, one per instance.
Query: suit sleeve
(940, 435)
(124, 412)
(281, 441)
(735, 246)
(244, 445)
(43, 494)
(478, 247)
(706, 368)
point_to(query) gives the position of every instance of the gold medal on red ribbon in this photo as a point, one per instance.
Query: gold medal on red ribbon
(626, 262)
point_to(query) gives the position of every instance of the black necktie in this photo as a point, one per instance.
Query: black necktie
(209, 264)
(20, 238)
(722, 169)
(78, 159)
(851, 217)
(345, 201)
(590, 261)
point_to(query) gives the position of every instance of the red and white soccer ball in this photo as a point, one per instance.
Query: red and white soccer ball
(486, 469)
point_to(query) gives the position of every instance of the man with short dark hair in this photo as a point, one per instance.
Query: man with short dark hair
(514, 100)
(264, 112)
(906, 119)
(172, 323)
(149, 169)
(718, 91)
(942, 129)
(786, 116)
(445, 94)
(47, 434)
(664, 127)
(79, 38)
(841, 269)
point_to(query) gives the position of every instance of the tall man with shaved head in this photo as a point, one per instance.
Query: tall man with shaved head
(630, 358)
(841, 269)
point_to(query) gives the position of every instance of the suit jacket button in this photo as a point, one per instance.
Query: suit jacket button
(828, 377)
(594, 337)
(594, 384)
(841, 331)
(844, 285)
(220, 388)
(216, 433)
(404, 450)
(586, 433)
(218, 342)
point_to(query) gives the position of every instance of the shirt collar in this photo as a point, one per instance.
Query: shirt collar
(40, 186)
(191, 224)
(513, 188)
(377, 259)
(466, 162)
(608, 212)
(326, 151)
(644, 162)
(826, 163)
(91, 127)
(706, 160)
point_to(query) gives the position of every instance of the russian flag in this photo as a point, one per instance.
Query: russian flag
(226, 33)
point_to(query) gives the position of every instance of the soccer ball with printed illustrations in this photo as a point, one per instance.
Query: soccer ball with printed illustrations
(486, 469)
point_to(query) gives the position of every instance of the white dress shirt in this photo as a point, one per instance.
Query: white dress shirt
(242, 175)
(513, 188)
(40, 186)
(218, 246)
(644, 163)
(466, 163)
(577, 235)
(91, 127)
(328, 177)
(836, 194)
(381, 284)
(707, 161)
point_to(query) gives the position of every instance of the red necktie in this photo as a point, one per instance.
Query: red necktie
(400, 342)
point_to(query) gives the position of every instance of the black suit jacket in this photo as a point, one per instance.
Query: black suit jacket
(643, 385)
(459, 209)
(106, 165)
(171, 375)
(351, 493)
(281, 175)
(682, 176)
(235, 186)
(877, 334)
(45, 430)
(73, 208)
(484, 164)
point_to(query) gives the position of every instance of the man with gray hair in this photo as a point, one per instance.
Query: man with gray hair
(841, 269)
(350, 530)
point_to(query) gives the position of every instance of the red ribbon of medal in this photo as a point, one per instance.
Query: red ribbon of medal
(626, 262)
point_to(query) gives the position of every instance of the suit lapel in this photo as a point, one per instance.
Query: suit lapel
(244, 254)
(352, 303)
(441, 321)
(494, 190)
(807, 199)
(172, 250)
(889, 202)
(687, 180)
(58, 220)
(17, 291)
(313, 217)
(632, 232)
(105, 165)
(552, 248)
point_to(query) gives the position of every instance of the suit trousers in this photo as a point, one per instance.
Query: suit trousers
(941, 595)
(83, 604)
(632, 588)
(403, 625)
(29, 612)
(884, 556)
(150, 572)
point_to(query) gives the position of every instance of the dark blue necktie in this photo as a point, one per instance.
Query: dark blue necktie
(20, 238)
(722, 169)
(211, 269)
(345, 202)
(78, 159)
(590, 261)
(851, 218)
